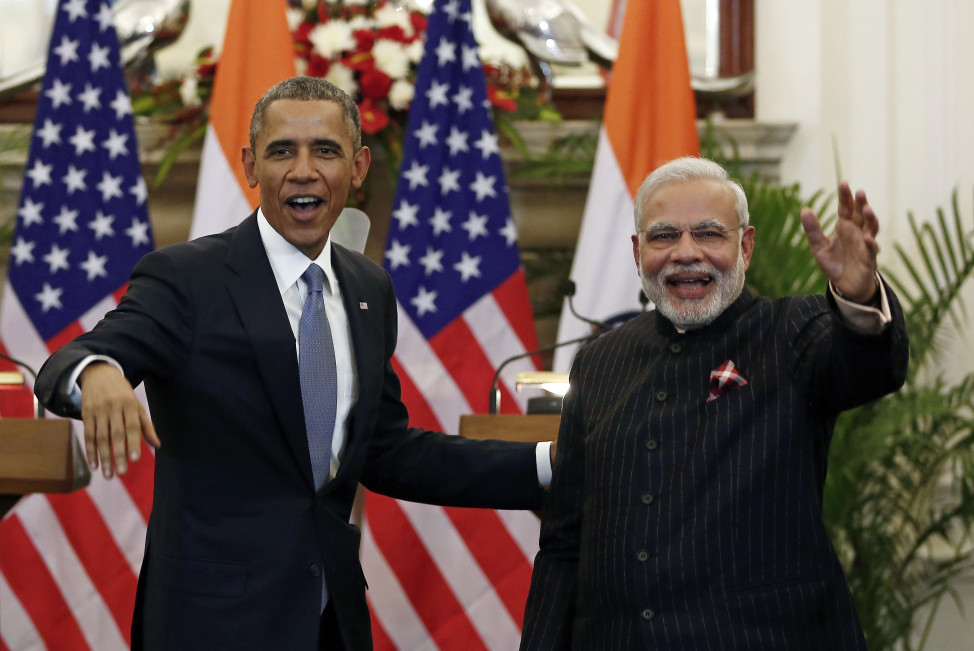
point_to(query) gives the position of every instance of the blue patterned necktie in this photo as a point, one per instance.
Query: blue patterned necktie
(319, 377)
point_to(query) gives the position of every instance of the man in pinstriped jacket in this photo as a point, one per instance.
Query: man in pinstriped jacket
(686, 505)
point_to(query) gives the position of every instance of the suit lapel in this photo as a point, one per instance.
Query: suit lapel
(258, 302)
(365, 323)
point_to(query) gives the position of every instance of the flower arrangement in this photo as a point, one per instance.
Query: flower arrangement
(371, 49)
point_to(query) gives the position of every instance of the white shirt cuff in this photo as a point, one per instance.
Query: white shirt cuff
(71, 388)
(864, 319)
(543, 457)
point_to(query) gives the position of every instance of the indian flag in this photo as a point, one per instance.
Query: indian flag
(257, 53)
(649, 119)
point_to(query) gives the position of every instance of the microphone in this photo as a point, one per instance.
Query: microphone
(598, 328)
(39, 408)
(568, 288)
(495, 392)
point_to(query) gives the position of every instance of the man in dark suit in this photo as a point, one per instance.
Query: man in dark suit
(249, 544)
(686, 502)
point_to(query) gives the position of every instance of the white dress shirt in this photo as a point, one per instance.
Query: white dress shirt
(288, 264)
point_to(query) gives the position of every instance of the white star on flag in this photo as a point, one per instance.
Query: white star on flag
(91, 97)
(398, 255)
(449, 180)
(426, 134)
(469, 267)
(30, 212)
(416, 175)
(67, 51)
(405, 214)
(433, 261)
(50, 133)
(424, 301)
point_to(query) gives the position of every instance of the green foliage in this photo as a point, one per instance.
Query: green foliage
(568, 156)
(787, 267)
(899, 499)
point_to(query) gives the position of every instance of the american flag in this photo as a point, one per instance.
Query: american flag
(439, 577)
(69, 563)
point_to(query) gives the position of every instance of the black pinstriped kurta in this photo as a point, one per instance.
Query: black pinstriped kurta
(674, 523)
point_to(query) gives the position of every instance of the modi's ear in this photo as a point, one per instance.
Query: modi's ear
(361, 162)
(747, 245)
(249, 161)
(635, 251)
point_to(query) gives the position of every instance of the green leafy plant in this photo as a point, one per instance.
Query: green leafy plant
(899, 500)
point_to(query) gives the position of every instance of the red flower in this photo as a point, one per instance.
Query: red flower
(359, 61)
(394, 33)
(318, 66)
(501, 99)
(206, 70)
(374, 119)
(301, 33)
(419, 22)
(375, 84)
(364, 40)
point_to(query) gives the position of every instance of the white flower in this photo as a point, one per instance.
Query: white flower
(391, 15)
(390, 58)
(415, 51)
(331, 38)
(294, 17)
(187, 91)
(401, 95)
(309, 4)
(361, 22)
(356, 2)
(343, 77)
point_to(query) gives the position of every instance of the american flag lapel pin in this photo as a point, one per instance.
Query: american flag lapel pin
(363, 305)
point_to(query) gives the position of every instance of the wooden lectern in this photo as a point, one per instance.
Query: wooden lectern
(38, 455)
(511, 427)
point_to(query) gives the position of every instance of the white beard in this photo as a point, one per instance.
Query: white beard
(687, 314)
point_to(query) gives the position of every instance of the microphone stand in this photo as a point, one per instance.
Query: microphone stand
(495, 392)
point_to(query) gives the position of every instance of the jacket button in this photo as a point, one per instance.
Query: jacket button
(676, 348)
(315, 570)
(648, 498)
(648, 613)
(652, 444)
(660, 396)
(642, 556)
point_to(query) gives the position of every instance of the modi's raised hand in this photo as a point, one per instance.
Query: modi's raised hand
(848, 257)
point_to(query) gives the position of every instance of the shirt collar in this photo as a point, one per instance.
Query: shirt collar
(287, 262)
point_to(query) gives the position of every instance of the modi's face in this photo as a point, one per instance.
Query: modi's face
(691, 252)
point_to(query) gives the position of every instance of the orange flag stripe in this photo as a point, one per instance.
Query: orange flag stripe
(257, 53)
(650, 108)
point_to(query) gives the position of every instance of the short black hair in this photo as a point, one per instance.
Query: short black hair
(308, 89)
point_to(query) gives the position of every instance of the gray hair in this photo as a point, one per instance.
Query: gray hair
(690, 168)
(308, 89)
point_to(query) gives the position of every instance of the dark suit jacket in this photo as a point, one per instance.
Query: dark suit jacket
(677, 523)
(238, 538)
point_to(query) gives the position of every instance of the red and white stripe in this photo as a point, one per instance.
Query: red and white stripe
(69, 563)
(451, 578)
